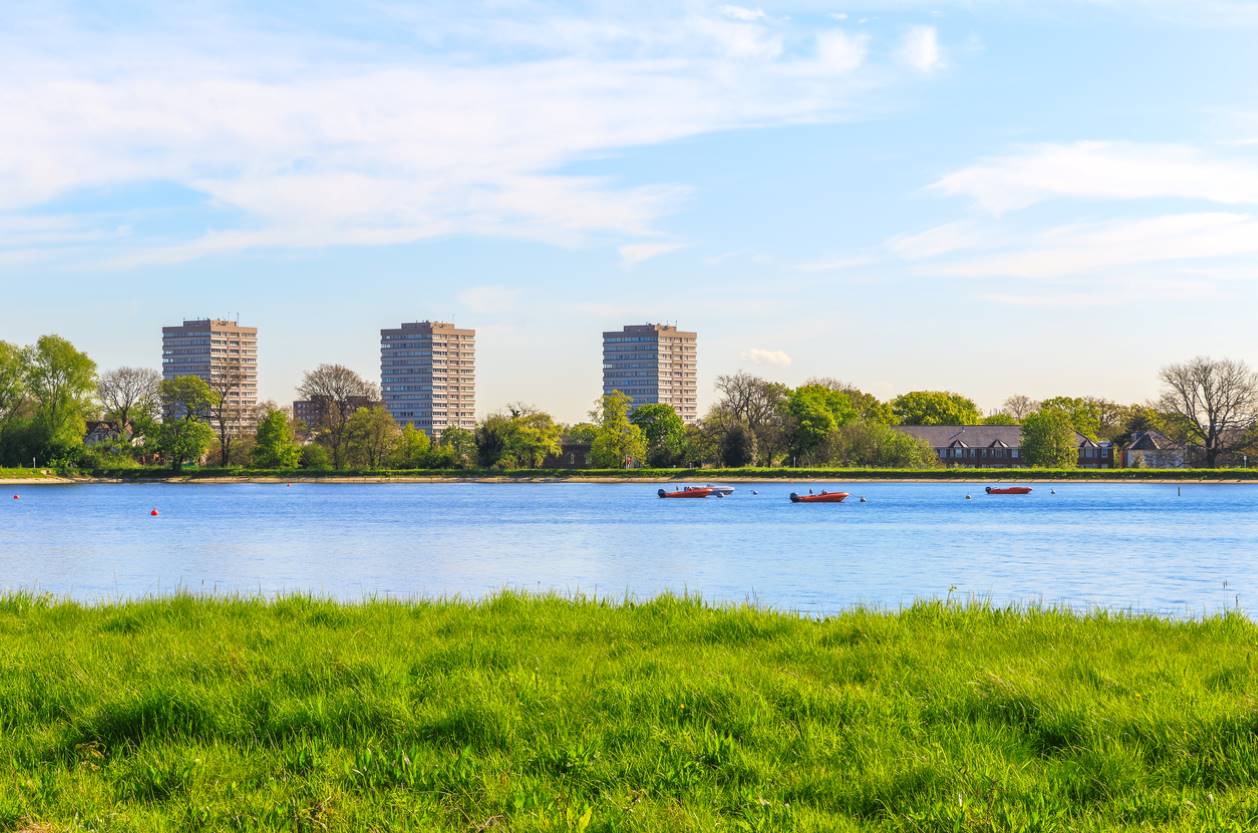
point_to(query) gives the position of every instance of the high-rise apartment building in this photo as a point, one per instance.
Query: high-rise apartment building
(225, 355)
(428, 375)
(653, 363)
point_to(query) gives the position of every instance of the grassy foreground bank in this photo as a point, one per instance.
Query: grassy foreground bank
(543, 714)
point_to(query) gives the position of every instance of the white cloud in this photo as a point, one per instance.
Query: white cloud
(773, 358)
(301, 139)
(490, 299)
(631, 254)
(1112, 247)
(920, 49)
(1102, 170)
(840, 52)
(839, 263)
(957, 236)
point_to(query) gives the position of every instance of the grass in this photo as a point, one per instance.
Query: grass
(746, 473)
(543, 714)
(25, 474)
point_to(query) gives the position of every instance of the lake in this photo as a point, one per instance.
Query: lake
(1124, 546)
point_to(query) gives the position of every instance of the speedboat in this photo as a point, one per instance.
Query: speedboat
(1009, 490)
(721, 491)
(687, 491)
(820, 497)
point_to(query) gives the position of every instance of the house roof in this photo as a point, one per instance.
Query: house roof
(1151, 441)
(973, 436)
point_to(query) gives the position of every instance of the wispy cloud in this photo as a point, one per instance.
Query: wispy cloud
(838, 263)
(490, 299)
(303, 137)
(772, 358)
(1103, 170)
(631, 254)
(920, 49)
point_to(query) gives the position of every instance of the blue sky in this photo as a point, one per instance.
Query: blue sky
(1052, 197)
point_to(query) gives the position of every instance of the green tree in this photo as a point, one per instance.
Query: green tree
(412, 449)
(519, 439)
(928, 407)
(275, 447)
(315, 457)
(185, 435)
(62, 383)
(13, 392)
(1048, 440)
(874, 444)
(738, 446)
(460, 446)
(581, 432)
(1084, 413)
(371, 434)
(869, 407)
(816, 413)
(758, 404)
(619, 443)
(999, 418)
(664, 431)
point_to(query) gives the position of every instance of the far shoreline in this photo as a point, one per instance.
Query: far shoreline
(505, 479)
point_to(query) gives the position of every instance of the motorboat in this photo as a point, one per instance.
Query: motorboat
(1008, 490)
(721, 491)
(820, 497)
(688, 491)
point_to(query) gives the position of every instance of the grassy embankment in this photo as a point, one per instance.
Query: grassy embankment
(27, 474)
(542, 714)
(706, 475)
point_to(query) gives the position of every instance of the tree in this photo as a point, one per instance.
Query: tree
(760, 405)
(619, 443)
(341, 392)
(584, 432)
(460, 444)
(738, 446)
(1048, 439)
(868, 406)
(1020, 407)
(315, 457)
(13, 392)
(275, 447)
(867, 443)
(521, 438)
(816, 413)
(1216, 401)
(228, 410)
(131, 396)
(999, 418)
(184, 434)
(665, 433)
(1084, 413)
(411, 450)
(927, 407)
(371, 435)
(62, 382)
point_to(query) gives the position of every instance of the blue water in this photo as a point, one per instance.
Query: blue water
(1117, 546)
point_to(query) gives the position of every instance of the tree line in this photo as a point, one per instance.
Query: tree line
(50, 390)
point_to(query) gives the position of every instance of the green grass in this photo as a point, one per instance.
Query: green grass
(25, 474)
(550, 715)
(746, 473)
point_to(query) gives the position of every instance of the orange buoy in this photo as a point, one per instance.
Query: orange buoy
(153, 513)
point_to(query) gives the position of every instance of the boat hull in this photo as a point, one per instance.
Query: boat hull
(1011, 490)
(824, 497)
(685, 493)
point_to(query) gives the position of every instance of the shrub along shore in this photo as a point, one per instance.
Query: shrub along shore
(524, 714)
(708, 475)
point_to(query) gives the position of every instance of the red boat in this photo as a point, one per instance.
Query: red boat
(688, 491)
(1009, 490)
(823, 497)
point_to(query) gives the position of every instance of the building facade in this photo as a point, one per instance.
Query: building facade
(428, 375)
(653, 363)
(223, 354)
(997, 446)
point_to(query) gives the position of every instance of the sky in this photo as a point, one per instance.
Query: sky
(989, 196)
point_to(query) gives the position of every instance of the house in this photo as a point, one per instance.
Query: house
(1153, 450)
(574, 454)
(997, 446)
(101, 431)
